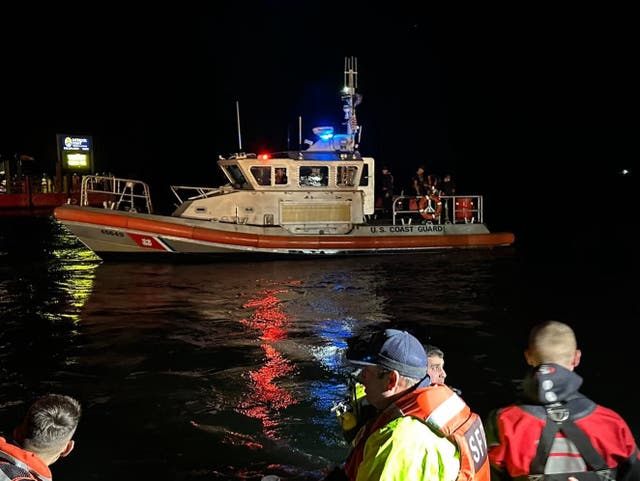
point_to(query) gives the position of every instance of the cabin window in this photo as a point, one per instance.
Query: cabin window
(235, 176)
(347, 175)
(262, 174)
(280, 176)
(314, 176)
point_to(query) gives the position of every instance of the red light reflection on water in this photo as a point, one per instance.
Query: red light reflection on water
(268, 317)
(265, 398)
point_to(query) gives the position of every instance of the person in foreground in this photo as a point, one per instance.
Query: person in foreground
(555, 432)
(420, 431)
(355, 412)
(45, 435)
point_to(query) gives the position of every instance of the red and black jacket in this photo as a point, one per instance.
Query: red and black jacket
(556, 432)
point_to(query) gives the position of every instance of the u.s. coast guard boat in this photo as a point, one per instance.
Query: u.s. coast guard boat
(309, 202)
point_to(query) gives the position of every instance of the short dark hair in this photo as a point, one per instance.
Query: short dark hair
(50, 423)
(433, 351)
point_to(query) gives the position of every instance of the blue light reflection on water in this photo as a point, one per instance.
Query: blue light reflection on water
(230, 370)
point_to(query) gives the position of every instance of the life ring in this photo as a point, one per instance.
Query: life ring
(426, 209)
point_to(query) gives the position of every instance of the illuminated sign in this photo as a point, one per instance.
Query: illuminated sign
(75, 153)
(76, 143)
(77, 160)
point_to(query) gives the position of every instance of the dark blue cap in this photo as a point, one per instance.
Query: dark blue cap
(391, 349)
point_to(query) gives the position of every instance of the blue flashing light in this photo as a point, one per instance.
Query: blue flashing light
(323, 133)
(327, 136)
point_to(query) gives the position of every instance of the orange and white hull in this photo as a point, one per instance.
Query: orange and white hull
(112, 233)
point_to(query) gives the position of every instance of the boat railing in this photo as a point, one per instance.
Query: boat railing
(116, 193)
(455, 209)
(188, 192)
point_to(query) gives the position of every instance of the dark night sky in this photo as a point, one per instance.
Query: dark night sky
(500, 96)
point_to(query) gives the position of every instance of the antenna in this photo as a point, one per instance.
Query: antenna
(238, 120)
(351, 74)
(349, 96)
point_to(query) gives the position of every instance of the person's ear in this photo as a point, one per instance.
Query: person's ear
(394, 377)
(577, 355)
(530, 361)
(68, 448)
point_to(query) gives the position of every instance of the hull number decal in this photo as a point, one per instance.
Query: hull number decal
(113, 233)
(150, 242)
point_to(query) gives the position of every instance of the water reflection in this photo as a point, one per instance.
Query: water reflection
(45, 281)
(264, 396)
(246, 357)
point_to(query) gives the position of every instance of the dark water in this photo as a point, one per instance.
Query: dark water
(229, 370)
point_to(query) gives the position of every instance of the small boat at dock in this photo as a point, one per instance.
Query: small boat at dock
(316, 201)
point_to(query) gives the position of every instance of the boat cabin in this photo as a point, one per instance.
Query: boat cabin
(302, 191)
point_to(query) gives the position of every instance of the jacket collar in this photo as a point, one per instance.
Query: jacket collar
(550, 383)
(25, 460)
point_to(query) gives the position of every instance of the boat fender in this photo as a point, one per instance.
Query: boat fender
(426, 210)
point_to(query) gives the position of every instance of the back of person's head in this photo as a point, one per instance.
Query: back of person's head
(49, 426)
(553, 342)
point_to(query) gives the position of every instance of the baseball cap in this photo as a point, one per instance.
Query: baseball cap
(392, 349)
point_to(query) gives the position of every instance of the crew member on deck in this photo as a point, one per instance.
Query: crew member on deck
(418, 182)
(448, 188)
(281, 176)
